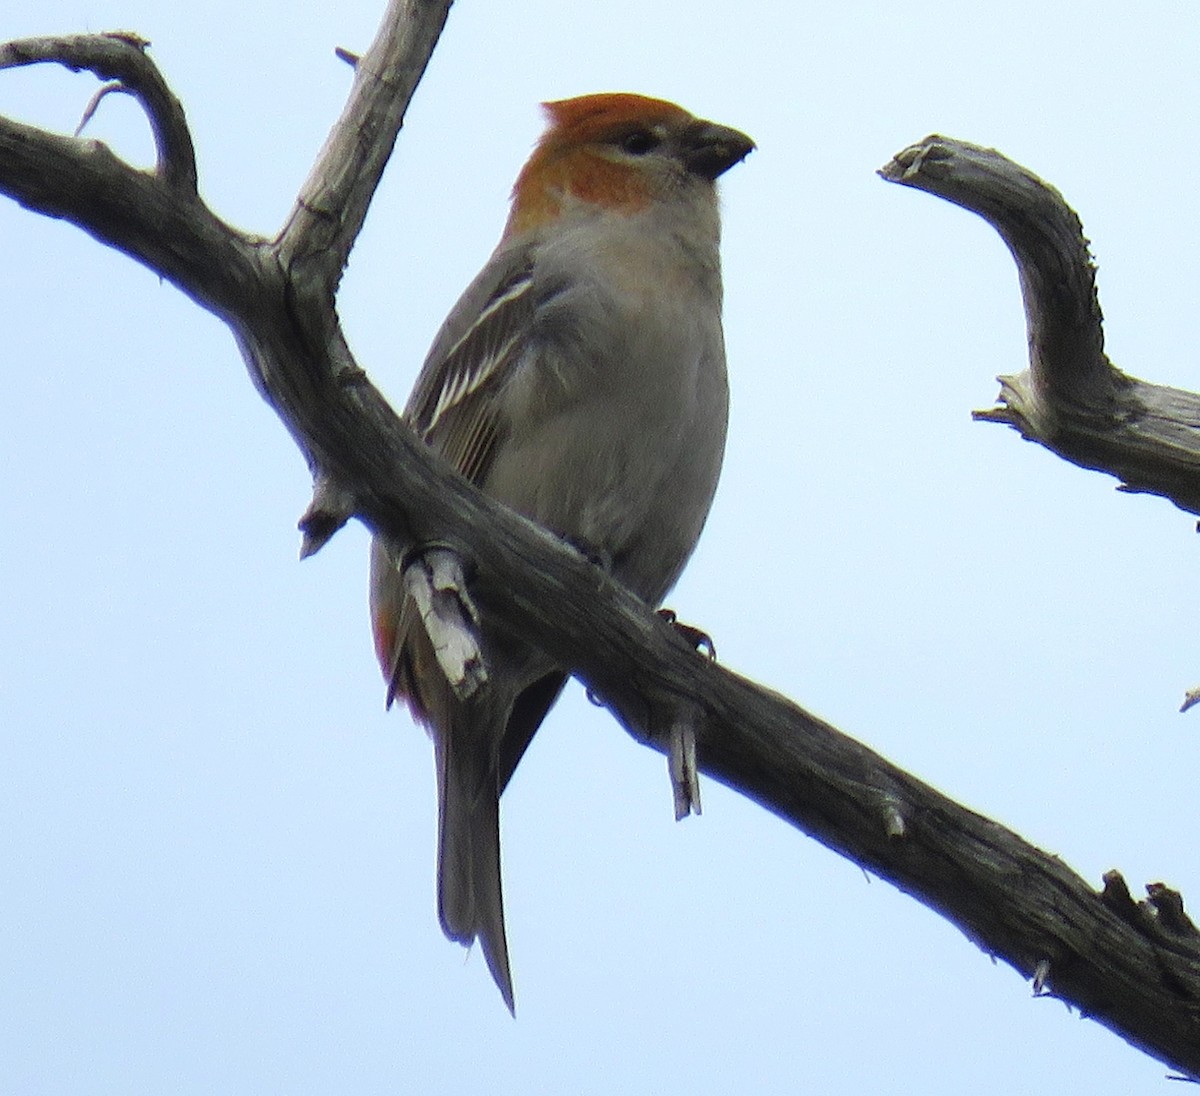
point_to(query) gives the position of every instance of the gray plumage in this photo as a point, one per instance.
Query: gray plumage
(580, 379)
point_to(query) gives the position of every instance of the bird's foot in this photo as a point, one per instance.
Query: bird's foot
(697, 637)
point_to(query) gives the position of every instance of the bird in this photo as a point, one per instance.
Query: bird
(580, 380)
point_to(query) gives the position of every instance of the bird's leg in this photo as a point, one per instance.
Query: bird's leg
(435, 578)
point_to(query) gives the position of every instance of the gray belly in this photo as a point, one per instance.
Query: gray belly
(628, 482)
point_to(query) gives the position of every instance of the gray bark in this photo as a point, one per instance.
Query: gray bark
(1135, 967)
(1071, 399)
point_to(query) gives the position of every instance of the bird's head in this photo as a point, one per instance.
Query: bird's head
(619, 152)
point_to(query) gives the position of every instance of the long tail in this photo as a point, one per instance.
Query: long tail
(470, 902)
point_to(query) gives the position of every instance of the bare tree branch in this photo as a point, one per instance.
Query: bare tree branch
(121, 57)
(1071, 399)
(1134, 967)
(156, 218)
(333, 202)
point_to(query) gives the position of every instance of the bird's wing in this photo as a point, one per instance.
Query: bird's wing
(454, 405)
(457, 407)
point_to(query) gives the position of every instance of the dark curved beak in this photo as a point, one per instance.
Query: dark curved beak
(711, 150)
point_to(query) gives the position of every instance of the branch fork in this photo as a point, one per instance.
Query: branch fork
(276, 293)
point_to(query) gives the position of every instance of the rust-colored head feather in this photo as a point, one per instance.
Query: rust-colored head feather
(570, 158)
(593, 118)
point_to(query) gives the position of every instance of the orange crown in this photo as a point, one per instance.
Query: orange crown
(566, 159)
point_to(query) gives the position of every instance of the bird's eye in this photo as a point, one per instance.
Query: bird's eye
(639, 142)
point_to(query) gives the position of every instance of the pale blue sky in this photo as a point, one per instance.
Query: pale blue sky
(216, 861)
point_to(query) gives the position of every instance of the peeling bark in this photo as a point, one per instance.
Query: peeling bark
(1133, 966)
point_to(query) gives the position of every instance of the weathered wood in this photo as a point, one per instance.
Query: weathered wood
(1134, 967)
(1071, 399)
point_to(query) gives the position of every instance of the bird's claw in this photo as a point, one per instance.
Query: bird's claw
(697, 637)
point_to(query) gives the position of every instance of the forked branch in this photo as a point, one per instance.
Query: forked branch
(122, 58)
(1136, 968)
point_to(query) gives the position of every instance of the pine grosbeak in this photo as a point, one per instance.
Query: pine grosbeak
(580, 379)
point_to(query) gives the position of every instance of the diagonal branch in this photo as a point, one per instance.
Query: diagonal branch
(1071, 399)
(333, 202)
(1135, 967)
